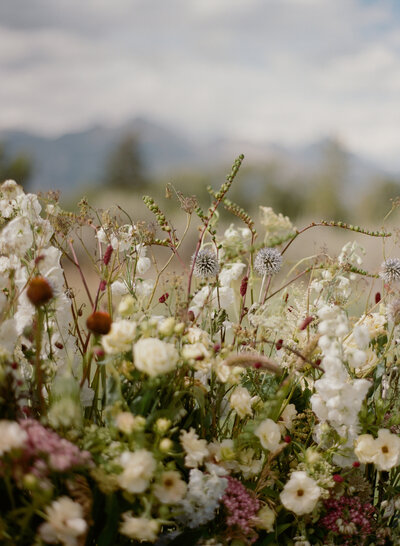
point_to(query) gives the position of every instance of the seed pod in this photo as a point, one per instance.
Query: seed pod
(99, 322)
(39, 291)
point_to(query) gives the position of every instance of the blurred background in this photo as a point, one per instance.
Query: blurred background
(125, 96)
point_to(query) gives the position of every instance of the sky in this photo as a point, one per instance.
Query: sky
(283, 71)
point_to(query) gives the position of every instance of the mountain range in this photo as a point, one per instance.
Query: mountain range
(78, 159)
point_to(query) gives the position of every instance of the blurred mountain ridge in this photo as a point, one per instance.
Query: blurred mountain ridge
(78, 159)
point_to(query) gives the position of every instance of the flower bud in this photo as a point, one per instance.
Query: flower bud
(99, 322)
(39, 291)
(166, 445)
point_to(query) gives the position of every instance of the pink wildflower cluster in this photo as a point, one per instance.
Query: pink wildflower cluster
(241, 504)
(46, 451)
(349, 517)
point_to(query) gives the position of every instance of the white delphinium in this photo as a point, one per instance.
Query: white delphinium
(138, 470)
(338, 398)
(242, 402)
(154, 357)
(12, 436)
(202, 498)
(65, 523)
(195, 448)
(141, 529)
(300, 494)
(269, 434)
(120, 337)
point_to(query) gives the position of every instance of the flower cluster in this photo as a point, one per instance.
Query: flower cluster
(195, 395)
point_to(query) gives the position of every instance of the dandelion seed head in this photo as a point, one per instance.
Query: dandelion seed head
(268, 261)
(206, 264)
(390, 270)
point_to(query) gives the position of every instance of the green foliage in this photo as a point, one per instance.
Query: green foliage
(17, 168)
(125, 167)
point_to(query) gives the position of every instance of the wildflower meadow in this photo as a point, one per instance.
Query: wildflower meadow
(223, 397)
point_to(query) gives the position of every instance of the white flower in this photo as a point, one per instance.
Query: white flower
(171, 488)
(269, 434)
(383, 451)
(387, 450)
(287, 415)
(241, 401)
(16, 237)
(118, 289)
(365, 448)
(195, 334)
(275, 224)
(143, 263)
(166, 326)
(231, 272)
(12, 436)
(126, 306)
(125, 422)
(195, 448)
(203, 496)
(193, 351)
(64, 524)
(144, 288)
(138, 469)
(265, 519)
(248, 464)
(154, 357)
(300, 494)
(361, 335)
(141, 529)
(120, 337)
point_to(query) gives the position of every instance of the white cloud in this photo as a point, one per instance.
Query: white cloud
(285, 70)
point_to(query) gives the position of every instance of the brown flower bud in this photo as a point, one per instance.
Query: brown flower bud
(39, 291)
(99, 322)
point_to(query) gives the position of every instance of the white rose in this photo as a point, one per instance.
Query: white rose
(154, 357)
(300, 494)
(120, 337)
(269, 434)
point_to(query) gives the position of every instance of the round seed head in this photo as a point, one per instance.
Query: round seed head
(268, 261)
(390, 270)
(99, 322)
(39, 291)
(206, 264)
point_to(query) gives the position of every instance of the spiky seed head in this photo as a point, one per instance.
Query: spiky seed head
(206, 264)
(390, 270)
(393, 311)
(268, 261)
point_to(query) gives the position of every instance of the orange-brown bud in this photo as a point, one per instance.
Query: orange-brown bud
(99, 322)
(39, 291)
